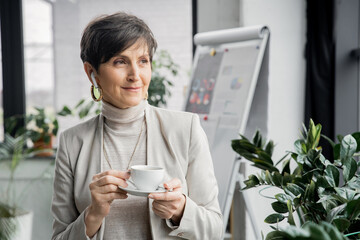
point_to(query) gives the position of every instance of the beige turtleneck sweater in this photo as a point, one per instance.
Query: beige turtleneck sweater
(128, 218)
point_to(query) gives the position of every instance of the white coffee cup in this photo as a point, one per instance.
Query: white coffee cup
(147, 178)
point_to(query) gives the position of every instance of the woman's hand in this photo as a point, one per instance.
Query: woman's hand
(104, 189)
(171, 204)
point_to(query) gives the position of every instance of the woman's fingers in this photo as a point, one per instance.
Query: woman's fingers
(162, 213)
(109, 179)
(107, 193)
(108, 197)
(104, 187)
(165, 205)
(109, 189)
(166, 196)
(114, 173)
(166, 209)
(169, 200)
(104, 190)
(174, 184)
(169, 204)
(111, 196)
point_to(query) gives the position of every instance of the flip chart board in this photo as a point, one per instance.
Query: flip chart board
(229, 91)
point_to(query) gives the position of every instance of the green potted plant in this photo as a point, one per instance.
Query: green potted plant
(163, 67)
(15, 222)
(40, 128)
(41, 125)
(324, 193)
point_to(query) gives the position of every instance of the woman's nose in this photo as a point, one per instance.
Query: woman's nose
(134, 73)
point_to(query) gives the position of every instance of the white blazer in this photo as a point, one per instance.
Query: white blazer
(176, 142)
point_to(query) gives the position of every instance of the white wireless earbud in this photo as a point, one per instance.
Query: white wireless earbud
(93, 79)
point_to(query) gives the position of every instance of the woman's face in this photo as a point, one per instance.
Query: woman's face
(125, 78)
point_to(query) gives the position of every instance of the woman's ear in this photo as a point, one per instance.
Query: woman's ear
(90, 72)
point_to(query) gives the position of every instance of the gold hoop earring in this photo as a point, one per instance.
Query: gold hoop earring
(96, 93)
(146, 96)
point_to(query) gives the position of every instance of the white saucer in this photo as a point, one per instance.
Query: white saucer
(131, 189)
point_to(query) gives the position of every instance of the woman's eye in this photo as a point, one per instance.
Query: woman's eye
(144, 61)
(120, 61)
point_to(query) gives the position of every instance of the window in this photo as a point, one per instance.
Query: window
(38, 53)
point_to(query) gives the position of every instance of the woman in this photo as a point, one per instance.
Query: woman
(94, 157)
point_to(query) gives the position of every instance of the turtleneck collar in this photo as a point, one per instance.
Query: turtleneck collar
(114, 115)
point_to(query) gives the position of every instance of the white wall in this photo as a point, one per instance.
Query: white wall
(215, 15)
(287, 22)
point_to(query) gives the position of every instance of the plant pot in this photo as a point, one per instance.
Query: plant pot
(23, 227)
(41, 145)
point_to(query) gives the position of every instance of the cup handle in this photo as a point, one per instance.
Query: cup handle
(131, 182)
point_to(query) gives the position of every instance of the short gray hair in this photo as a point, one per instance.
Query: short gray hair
(108, 35)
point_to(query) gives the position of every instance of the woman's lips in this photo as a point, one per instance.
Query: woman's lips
(132, 89)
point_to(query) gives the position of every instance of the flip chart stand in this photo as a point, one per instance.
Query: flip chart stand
(239, 178)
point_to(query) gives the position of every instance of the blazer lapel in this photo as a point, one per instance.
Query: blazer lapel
(157, 149)
(100, 143)
(89, 163)
(149, 143)
(151, 149)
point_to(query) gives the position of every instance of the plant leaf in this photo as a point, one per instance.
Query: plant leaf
(81, 102)
(251, 182)
(268, 177)
(276, 235)
(332, 175)
(279, 207)
(277, 179)
(293, 189)
(265, 157)
(342, 224)
(257, 139)
(350, 168)
(296, 233)
(8, 225)
(269, 149)
(317, 232)
(65, 111)
(347, 148)
(345, 193)
(85, 110)
(334, 212)
(336, 151)
(287, 178)
(264, 165)
(313, 135)
(333, 232)
(47, 139)
(356, 135)
(353, 209)
(290, 216)
(282, 197)
(299, 149)
(286, 166)
(310, 191)
(354, 183)
(274, 218)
